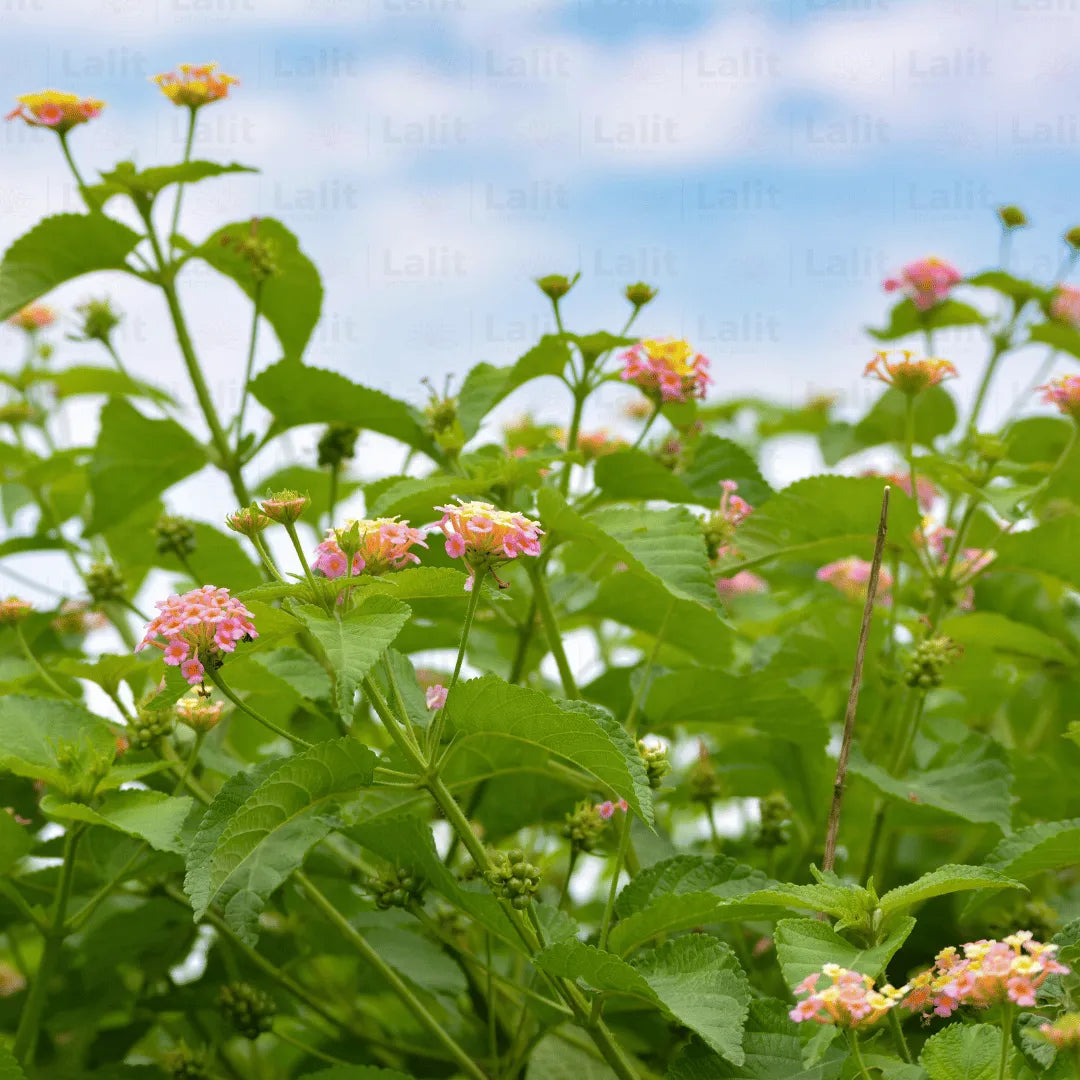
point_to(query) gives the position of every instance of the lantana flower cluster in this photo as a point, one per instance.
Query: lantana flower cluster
(380, 544)
(195, 85)
(198, 627)
(984, 973)
(847, 999)
(55, 109)
(1064, 393)
(926, 281)
(851, 576)
(486, 537)
(898, 368)
(33, 317)
(720, 529)
(926, 490)
(668, 369)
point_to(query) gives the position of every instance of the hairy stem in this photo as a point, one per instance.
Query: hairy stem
(215, 678)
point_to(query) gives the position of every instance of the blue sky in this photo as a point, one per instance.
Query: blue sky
(765, 164)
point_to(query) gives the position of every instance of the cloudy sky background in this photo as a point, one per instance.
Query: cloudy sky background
(765, 164)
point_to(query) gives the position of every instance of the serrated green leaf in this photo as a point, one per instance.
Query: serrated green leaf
(942, 881)
(1049, 549)
(666, 545)
(353, 643)
(935, 415)
(269, 835)
(1036, 849)
(125, 178)
(57, 249)
(1002, 634)
(290, 300)
(123, 474)
(971, 781)
(152, 816)
(86, 379)
(772, 1047)
(308, 395)
(823, 518)
(415, 498)
(694, 979)
(34, 729)
(582, 734)
(716, 459)
(553, 1058)
(804, 945)
(963, 1052)
(107, 670)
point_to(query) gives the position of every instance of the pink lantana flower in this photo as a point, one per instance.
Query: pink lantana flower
(33, 317)
(198, 628)
(435, 697)
(485, 537)
(847, 999)
(378, 545)
(743, 583)
(927, 492)
(607, 808)
(666, 369)
(1065, 305)
(851, 576)
(898, 368)
(926, 281)
(1064, 392)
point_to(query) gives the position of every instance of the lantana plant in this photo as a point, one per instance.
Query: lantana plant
(575, 747)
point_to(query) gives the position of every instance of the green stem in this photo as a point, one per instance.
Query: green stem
(521, 652)
(616, 871)
(39, 667)
(714, 833)
(551, 628)
(572, 437)
(492, 1016)
(256, 303)
(26, 1036)
(909, 444)
(189, 142)
(389, 975)
(898, 1037)
(75, 172)
(1001, 343)
(564, 893)
(267, 561)
(648, 426)
(332, 494)
(314, 1051)
(215, 678)
(290, 528)
(856, 1053)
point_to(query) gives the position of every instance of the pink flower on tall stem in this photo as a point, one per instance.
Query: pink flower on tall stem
(926, 281)
(378, 545)
(486, 537)
(667, 369)
(905, 373)
(1064, 392)
(198, 628)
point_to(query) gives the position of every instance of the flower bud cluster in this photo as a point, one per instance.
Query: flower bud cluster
(248, 1009)
(396, 888)
(654, 755)
(104, 583)
(924, 669)
(337, 444)
(584, 827)
(175, 535)
(776, 817)
(14, 610)
(147, 726)
(703, 782)
(512, 878)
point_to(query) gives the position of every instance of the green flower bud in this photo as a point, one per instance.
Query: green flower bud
(104, 583)
(556, 286)
(285, 507)
(248, 1009)
(149, 725)
(655, 757)
(924, 670)
(776, 816)
(337, 444)
(185, 1064)
(396, 888)
(248, 520)
(174, 534)
(513, 878)
(98, 320)
(639, 294)
(20, 412)
(584, 826)
(1012, 217)
(703, 782)
(1072, 238)
(260, 254)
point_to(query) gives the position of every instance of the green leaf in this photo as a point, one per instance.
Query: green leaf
(485, 386)
(9, 1067)
(134, 460)
(414, 498)
(553, 1058)
(58, 249)
(716, 459)
(1008, 285)
(1036, 849)
(353, 643)
(152, 816)
(267, 838)
(229, 798)
(905, 319)
(695, 979)
(945, 879)
(15, 842)
(972, 781)
(308, 395)
(1050, 549)
(34, 731)
(823, 518)
(356, 1072)
(582, 734)
(290, 300)
(107, 670)
(773, 1049)
(997, 632)
(935, 415)
(666, 545)
(1057, 336)
(804, 945)
(148, 183)
(87, 379)
(963, 1052)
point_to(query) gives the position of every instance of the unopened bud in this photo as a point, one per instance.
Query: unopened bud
(924, 670)
(185, 1064)
(513, 878)
(556, 286)
(1072, 238)
(584, 826)
(13, 610)
(98, 320)
(639, 294)
(337, 444)
(104, 583)
(1012, 217)
(198, 713)
(260, 254)
(248, 520)
(776, 816)
(174, 534)
(249, 1009)
(703, 782)
(285, 507)
(396, 888)
(654, 755)
(20, 412)
(147, 726)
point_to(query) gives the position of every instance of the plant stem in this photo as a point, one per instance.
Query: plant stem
(332, 494)
(572, 437)
(551, 628)
(833, 829)
(616, 871)
(389, 975)
(75, 172)
(215, 678)
(648, 425)
(898, 1037)
(39, 667)
(314, 1051)
(909, 444)
(1001, 343)
(267, 561)
(188, 143)
(256, 307)
(1006, 1041)
(521, 652)
(26, 1036)
(856, 1053)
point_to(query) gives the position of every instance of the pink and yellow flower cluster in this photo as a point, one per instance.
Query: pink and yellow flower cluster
(33, 317)
(195, 85)
(851, 576)
(1064, 392)
(381, 544)
(926, 281)
(485, 537)
(55, 109)
(905, 373)
(198, 627)
(667, 369)
(847, 999)
(984, 973)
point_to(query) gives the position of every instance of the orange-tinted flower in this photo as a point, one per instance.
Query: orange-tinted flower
(56, 110)
(195, 85)
(33, 317)
(908, 375)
